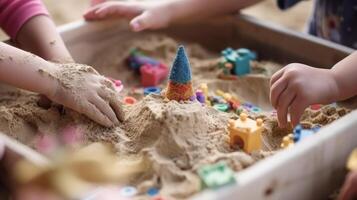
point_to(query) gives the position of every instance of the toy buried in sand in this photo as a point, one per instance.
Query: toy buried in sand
(72, 173)
(179, 87)
(217, 175)
(298, 135)
(246, 133)
(235, 63)
(152, 71)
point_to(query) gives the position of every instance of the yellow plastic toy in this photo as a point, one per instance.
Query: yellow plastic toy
(288, 141)
(204, 88)
(246, 133)
(352, 161)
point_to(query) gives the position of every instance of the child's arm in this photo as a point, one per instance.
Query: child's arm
(161, 13)
(78, 87)
(39, 36)
(297, 86)
(28, 24)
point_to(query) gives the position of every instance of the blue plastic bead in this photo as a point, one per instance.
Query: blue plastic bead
(152, 191)
(151, 90)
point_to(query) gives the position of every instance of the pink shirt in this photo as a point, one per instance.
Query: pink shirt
(15, 13)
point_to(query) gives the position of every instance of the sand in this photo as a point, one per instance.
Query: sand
(176, 138)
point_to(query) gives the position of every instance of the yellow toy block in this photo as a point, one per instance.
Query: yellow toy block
(288, 141)
(246, 133)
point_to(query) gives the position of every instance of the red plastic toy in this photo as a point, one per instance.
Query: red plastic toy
(153, 75)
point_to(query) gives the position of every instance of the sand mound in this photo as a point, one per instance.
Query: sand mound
(177, 137)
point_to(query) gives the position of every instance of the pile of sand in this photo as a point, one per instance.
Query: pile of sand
(176, 138)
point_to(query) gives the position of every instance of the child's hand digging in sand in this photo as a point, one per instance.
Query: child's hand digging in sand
(78, 87)
(297, 86)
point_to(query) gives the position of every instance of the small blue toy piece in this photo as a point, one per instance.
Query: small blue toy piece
(217, 175)
(300, 133)
(316, 128)
(151, 90)
(153, 191)
(236, 62)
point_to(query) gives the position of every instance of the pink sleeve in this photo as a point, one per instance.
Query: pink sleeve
(15, 13)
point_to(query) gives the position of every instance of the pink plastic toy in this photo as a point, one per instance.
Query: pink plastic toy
(153, 75)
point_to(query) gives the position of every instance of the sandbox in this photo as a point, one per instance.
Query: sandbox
(179, 138)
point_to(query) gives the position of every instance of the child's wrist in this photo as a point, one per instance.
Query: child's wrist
(49, 86)
(336, 92)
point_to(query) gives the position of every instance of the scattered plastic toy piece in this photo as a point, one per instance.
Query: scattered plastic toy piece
(236, 62)
(153, 191)
(180, 86)
(153, 75)
(217, 175)
(301, 134)
(118, 84)
(315, 107)
(352, 161)
(128, 100)
(200, 96)
(152, 71)
(152, 90)
(288, 141)
(137, 59)
(221, 107)
(256, 110)
(246, 133)
(128, 191)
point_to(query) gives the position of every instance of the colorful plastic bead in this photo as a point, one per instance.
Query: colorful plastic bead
(315, 107)
(200, 96)
(221, 107)
(128, 191)
(151, 90)
(217, 175)
(152, 191)
(129, 100)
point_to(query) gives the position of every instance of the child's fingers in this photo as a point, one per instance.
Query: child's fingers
(348, 190)
(113, 98)
(90, 13)
(296, 110)
(117, 106)
(276, 76)
(105, 108)
(276, 90)
(96, 115)
(142, 22)
(286, 98)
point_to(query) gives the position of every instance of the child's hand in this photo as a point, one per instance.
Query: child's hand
(81, 88)
(144, 15)
(297, 86)
(349, 189)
